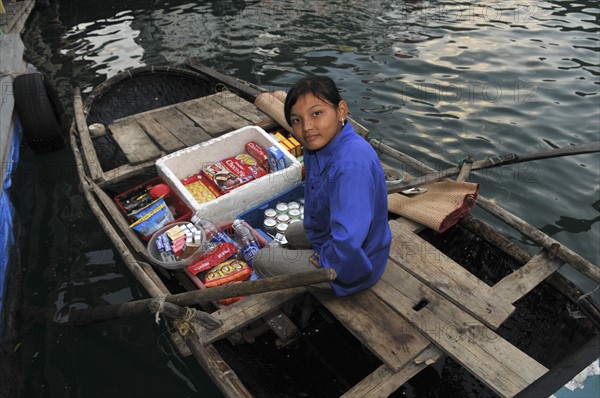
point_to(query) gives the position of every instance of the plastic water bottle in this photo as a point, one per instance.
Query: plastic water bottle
(211, 231)
(246, 241)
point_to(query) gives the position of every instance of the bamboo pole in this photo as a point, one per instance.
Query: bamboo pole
(553, 246)
(578, 262)
(172, 305)
(496, 161)
(253, 287)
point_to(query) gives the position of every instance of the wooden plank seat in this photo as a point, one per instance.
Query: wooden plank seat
(132, 138)
(377, 326)
(246, 311)
(386, 334)
(407, 338)
(523, 280)
(165, 130)
(494, 361)
(432, 267)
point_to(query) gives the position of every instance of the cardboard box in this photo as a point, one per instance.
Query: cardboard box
(186, 162)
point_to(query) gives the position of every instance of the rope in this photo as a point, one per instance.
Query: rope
(161, 305)
(220, 87)
(183, 326)
(11, 73)
(586, 295)
(467, 160)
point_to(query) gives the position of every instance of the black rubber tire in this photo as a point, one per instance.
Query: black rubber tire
(40, 111)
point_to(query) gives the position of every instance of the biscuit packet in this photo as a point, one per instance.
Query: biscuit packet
(234, 171)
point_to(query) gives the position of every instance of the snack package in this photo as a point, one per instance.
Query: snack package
(232, 172)
(258, 153)
(276, 158)
(214, 254)
(201, 188)
(152, 217)
(230, 271)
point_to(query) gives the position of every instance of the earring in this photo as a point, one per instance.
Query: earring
(342, 121)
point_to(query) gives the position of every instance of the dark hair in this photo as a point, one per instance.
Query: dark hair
(321, 87)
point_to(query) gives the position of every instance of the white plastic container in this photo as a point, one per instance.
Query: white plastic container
(186, 162)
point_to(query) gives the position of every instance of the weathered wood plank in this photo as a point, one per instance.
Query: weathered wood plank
(490, 358)
(199, 111)
(137, 146)
(13, 21)
(247, 311)
(410, 225)
(120, 220)
(163, 137)
(213, 117)
(581, 264)
(217, 369)
(241, 107)
(520, 282)
(441, 273)
(180, 125)
(384, 381)
(377, 326)
(89, 152)
(124, 172)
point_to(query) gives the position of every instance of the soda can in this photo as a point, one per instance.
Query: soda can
(270, 213)
(270, 224)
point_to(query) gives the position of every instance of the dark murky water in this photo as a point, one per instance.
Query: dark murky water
(437, 80)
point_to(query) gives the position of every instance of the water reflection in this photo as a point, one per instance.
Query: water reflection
(104, 43)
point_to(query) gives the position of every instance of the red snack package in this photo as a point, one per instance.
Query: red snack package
(232, 172)
(216, 254)
(231, 271)
(258, 153)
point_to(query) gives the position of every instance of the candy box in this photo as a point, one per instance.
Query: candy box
(276, 158)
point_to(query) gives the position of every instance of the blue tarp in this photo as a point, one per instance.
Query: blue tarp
(7, 237)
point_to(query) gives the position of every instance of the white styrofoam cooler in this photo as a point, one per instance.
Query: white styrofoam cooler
(186, 162)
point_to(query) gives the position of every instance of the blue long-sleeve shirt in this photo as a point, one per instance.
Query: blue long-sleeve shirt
(345, 211)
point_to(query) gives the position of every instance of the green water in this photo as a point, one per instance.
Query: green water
(437, 80)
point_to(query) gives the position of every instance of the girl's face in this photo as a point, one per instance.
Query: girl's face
(316, 122)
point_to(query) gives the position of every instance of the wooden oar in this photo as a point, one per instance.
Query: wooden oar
(494, 161)
(145, 306)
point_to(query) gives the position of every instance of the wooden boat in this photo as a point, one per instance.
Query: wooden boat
(426, 308)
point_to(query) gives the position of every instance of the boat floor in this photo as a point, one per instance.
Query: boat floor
(425, 307)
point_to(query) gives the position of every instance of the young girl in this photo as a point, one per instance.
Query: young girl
(345, 199)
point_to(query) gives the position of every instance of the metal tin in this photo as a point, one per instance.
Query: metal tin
(294, 220)
(301, 201)
(294, 214)
(283, 218)
(270, 224)
(281, 208)
(281, 228)
(270, 213)
(293, 205)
